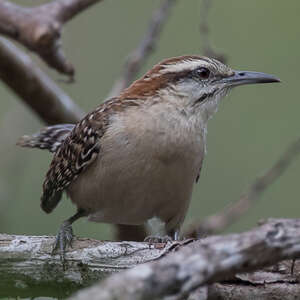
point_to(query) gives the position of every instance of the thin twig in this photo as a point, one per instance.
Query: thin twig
(208, 50)
(39, 28)
(147, 45)
(230, 214)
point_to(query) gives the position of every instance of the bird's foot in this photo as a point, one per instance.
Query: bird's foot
(158, 239)
(63, 239)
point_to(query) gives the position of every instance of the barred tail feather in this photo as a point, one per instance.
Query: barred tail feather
(49, 138)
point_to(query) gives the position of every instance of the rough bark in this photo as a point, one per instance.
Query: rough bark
(176, 270)
(27, 267)
(203, 262)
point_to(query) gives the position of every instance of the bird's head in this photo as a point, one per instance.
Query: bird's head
(196, 82)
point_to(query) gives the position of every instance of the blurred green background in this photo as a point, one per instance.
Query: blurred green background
(253, 126)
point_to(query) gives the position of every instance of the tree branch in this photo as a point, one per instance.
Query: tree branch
(147, 45)
(204, 29)
(281, 287)
(39, 28)
(203, 262)
(36, 89)
(65, 10)
(230, 214)
(26, 264)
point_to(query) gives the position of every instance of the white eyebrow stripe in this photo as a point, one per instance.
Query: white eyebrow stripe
(183, 65)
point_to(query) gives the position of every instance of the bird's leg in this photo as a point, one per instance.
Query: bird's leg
(293, 266)
(65, 234)
(153, 239)
(174, 233)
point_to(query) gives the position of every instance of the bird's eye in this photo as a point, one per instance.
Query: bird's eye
(203, 73)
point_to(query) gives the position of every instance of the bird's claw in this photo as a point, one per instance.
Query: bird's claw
(293, 267)
(63, 240)
(158, 239)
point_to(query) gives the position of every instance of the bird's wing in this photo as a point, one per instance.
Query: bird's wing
(80, 148)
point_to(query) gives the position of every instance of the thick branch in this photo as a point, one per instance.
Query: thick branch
(67, 9)
(39, 28)
(37, 90)
(203, 262)
(277, 290)
(230, 214)
(147, 45)
(27, 266)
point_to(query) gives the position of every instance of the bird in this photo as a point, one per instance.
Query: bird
(137, 156)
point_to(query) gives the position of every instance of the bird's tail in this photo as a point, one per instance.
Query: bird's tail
(49, 138)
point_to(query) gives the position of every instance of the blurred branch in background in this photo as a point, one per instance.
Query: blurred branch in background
(138, 57)
(39, 28)
(232, 213)
(34, 87)
(208, 50)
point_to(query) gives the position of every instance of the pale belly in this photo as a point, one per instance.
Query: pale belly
(141, 180)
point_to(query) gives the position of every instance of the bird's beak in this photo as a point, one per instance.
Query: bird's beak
(247, 77)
